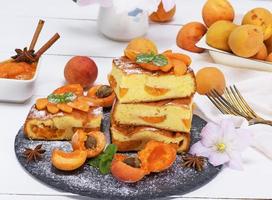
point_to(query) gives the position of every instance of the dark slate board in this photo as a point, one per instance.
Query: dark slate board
(88, 181)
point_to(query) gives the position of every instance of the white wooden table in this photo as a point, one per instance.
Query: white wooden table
(79, 36)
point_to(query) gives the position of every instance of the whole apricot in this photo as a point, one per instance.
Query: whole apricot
(218, 34)
(269, 58)
(209, 78)
(215, 10)
(189, 35)
(260, 17)
(262, 53)
(161, 15)
(140, 45)
(81, 70)
(268, 44)
(246, 40)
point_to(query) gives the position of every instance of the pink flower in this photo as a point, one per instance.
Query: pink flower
(222, 144)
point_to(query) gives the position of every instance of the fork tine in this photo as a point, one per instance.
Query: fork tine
(245, 103)
(226, 106)
(229, 98)
(241, 104)
(216, 104)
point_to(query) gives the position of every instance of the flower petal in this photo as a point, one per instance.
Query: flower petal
(210, 134)
(235, 161)
(218, 158)
(200, 150)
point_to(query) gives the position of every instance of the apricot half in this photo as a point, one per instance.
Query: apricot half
(262, 53)
(93, 142)
(101, 95)
(124, 169)
(157, 156)
(68, 161)
(74, 88)
(161, 15)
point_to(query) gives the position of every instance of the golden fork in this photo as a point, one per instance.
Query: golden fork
(232, 102)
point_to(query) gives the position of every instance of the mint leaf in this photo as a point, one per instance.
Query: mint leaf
(61, 98)
(160, 60)
(145, 58)
(103, 161)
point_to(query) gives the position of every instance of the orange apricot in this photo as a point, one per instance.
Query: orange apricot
(180, 67)
(269, 57)
(157, 156)
(75, 88)
(155, 91)
(93, 142)
(64, 107)
(189, 35)
(41, 103)
(79, 105)
(210, 78)
(161, 15)
(138, 46)
(153, 120)
(101, 95)
(68, 161)
(52, 108)
(123, 91)
(149, 66)
(112, 81)
(126, 171)
(262, 53)
(179, 56)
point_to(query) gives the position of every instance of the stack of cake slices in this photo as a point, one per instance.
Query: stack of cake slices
(150, 106)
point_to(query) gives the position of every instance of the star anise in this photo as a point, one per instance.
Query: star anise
(193, 161)
(24, 55)
(33, 154)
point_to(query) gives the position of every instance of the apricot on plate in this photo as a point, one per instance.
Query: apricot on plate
(161, 15)
(157, 156)
(81, 70)
(262, 53)
(268, 44)
(189, 35)
(209, 78)
(124, 169)
(269, 57)
(93, 142)
(215, 10)
(68, 161)
(101, 95)
(138, 46)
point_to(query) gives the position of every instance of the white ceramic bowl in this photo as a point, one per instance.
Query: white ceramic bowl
(226, 58)
(17, 91)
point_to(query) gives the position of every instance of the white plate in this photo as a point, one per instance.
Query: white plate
(226, 58)
(17, 91)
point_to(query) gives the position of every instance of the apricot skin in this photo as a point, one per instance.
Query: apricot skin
(81, 70)
(269, 57)
(68, 161)
(209, 78)
(262, 53)
(161, 15)
(189, 35)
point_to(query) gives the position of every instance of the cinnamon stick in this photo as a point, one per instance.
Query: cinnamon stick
(46, 46)
(36, 34)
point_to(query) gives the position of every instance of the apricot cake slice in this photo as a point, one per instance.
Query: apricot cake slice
(59, 115)
(172, 115)
(131, 83)
(134, 138)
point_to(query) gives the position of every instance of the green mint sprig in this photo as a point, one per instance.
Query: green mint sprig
(158, 60)
(103, 161)
(61, 98)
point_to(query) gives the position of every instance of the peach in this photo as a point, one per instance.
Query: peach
(262, 53)
(68, 161)
(209, 78)
(161, 15)
(215, 10)
(81, 70)
(125, 172)
(189, 35)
